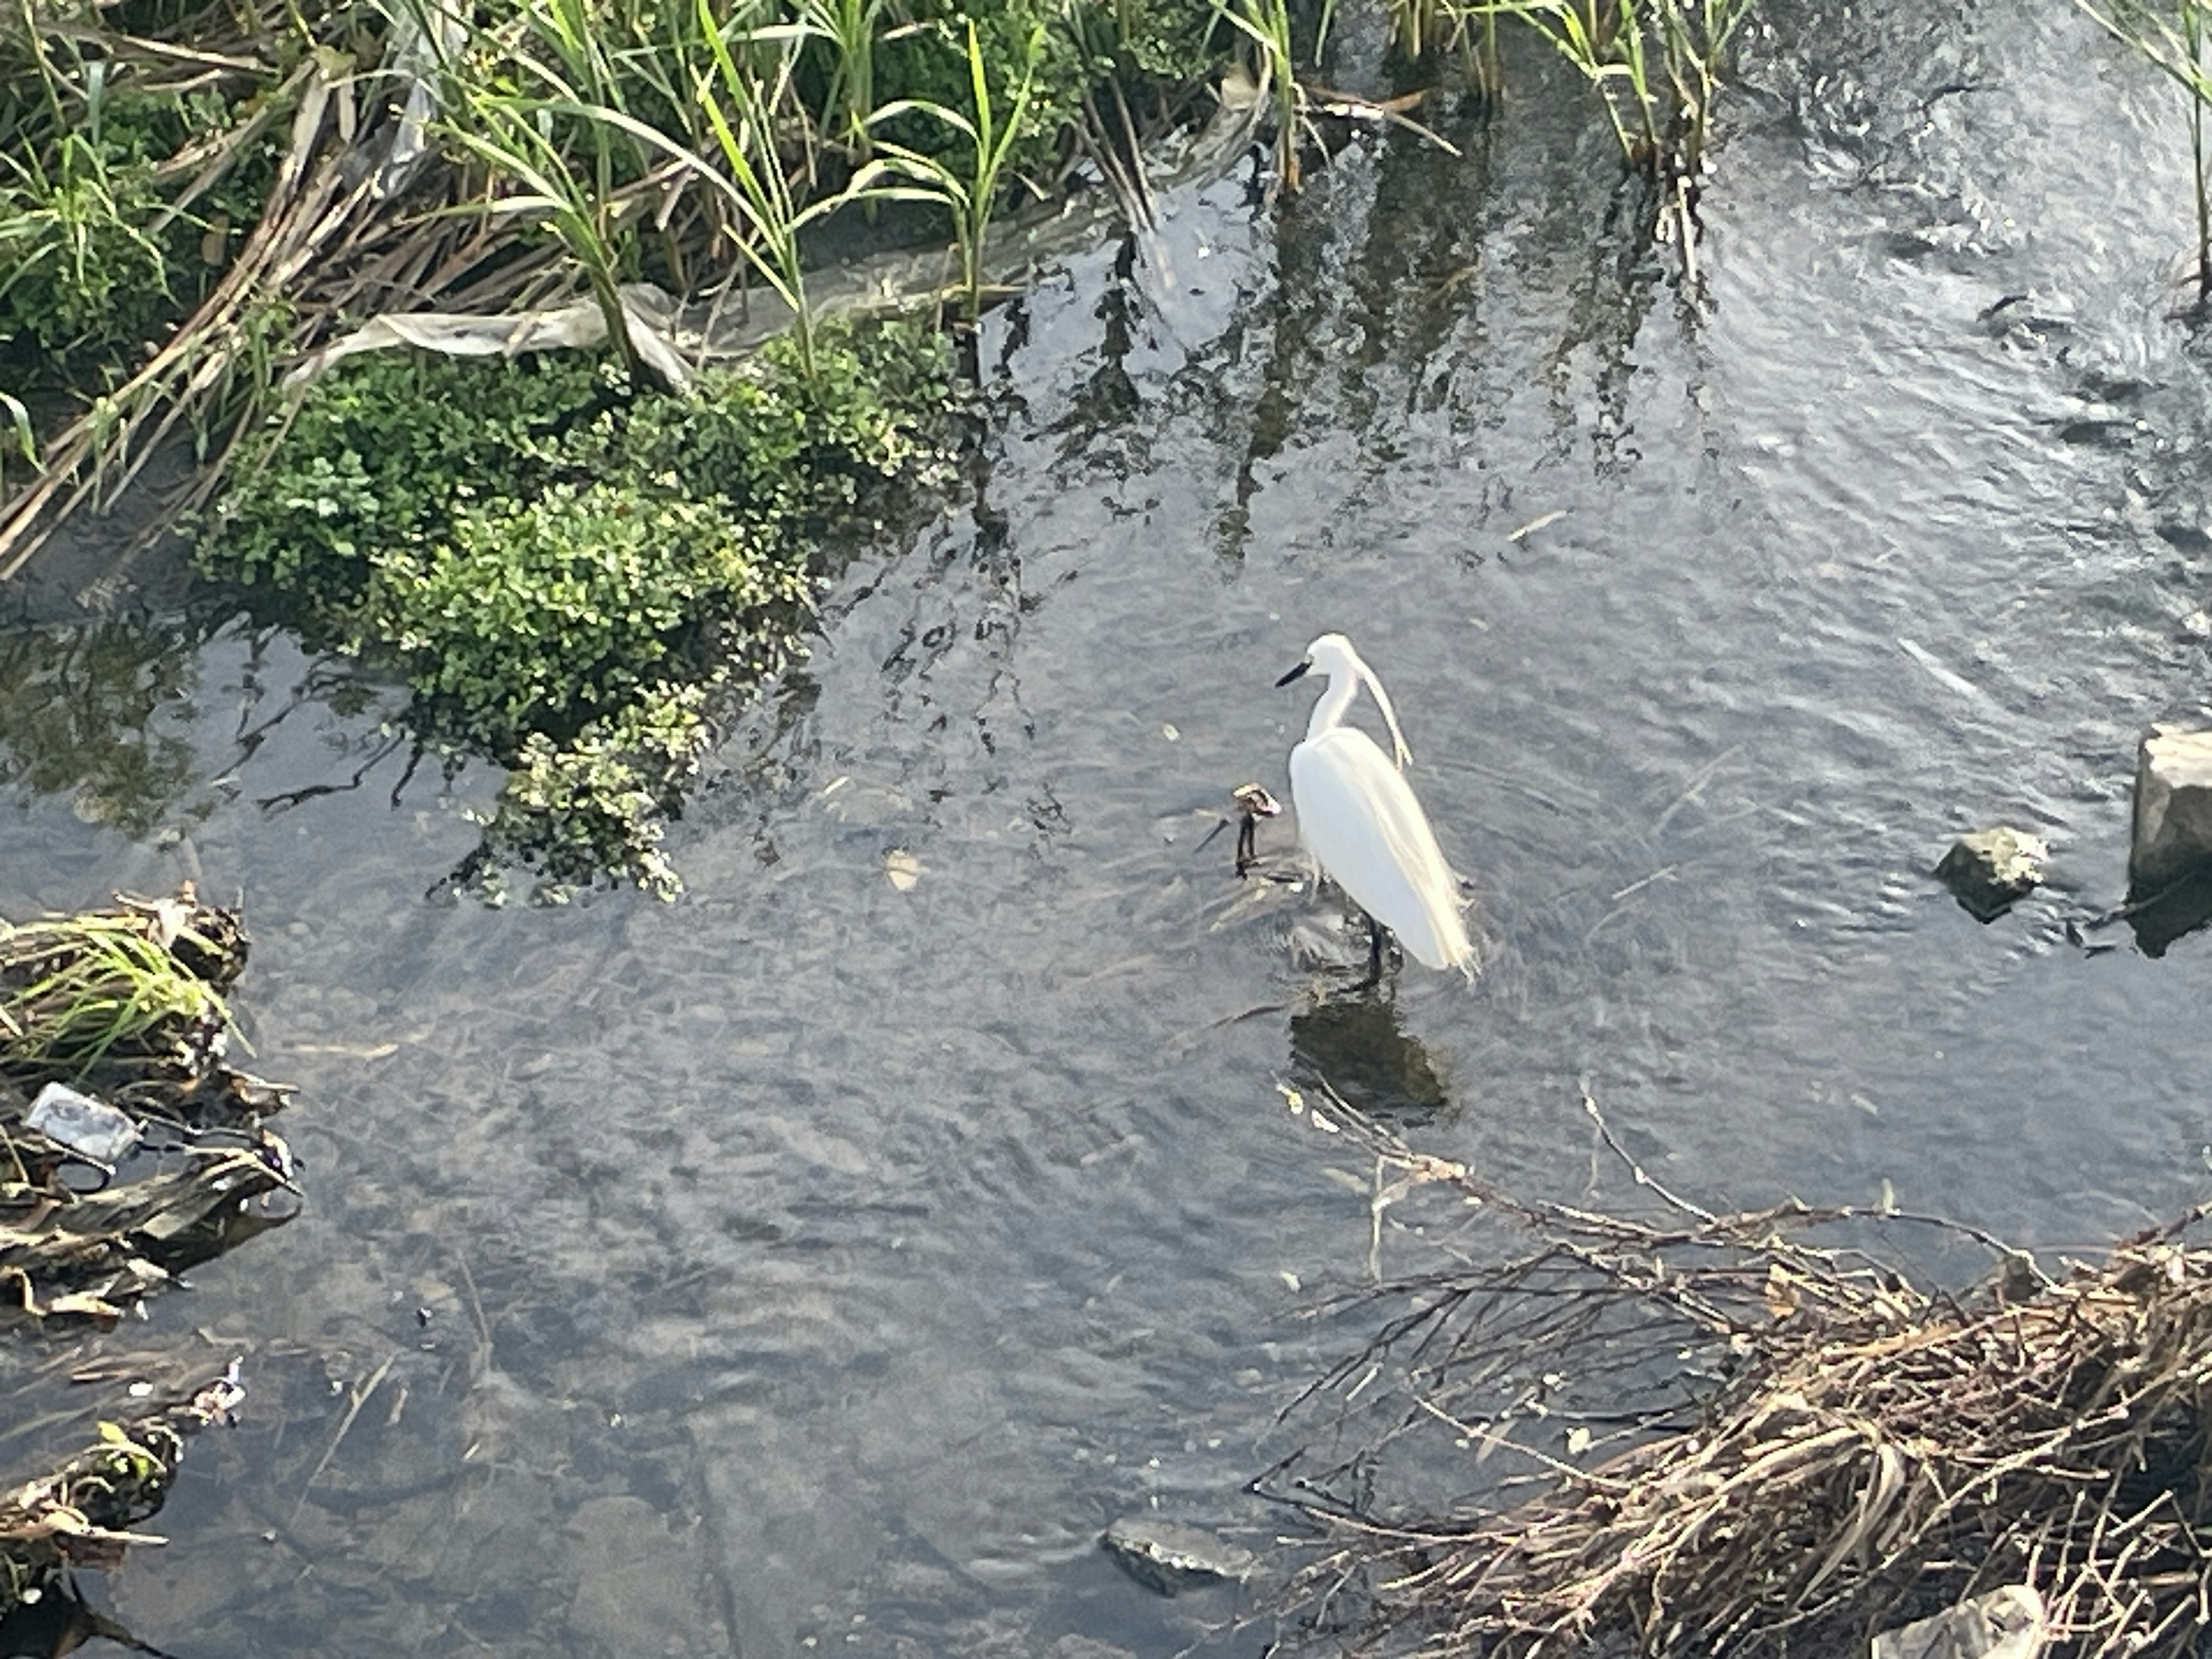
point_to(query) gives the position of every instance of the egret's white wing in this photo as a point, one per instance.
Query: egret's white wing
(1359, 817)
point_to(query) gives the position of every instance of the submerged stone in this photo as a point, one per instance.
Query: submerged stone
(1169, 1557)
(1990, 869)
(2173, 807)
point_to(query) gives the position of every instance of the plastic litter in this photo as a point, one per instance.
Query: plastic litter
(91, 1129)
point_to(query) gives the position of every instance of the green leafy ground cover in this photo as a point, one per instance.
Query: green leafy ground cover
(568, 572)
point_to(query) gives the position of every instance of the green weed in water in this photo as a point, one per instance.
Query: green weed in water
(567, 572)
(74, 991)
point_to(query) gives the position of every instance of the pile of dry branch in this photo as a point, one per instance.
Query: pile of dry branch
(1702, 1434)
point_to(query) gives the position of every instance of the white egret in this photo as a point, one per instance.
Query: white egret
(1357, 817)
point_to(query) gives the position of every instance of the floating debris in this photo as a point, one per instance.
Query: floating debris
(91, 1129)
(130, 1150)
(83, 1515)
(2006, 1622)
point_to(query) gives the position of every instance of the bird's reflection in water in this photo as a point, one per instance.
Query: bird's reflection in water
(1356, 1046)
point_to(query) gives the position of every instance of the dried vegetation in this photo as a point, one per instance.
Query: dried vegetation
(130, 1150)
(1695, 1433)
(84, 1514)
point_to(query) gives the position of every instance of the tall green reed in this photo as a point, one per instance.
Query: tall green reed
(1266, 25)
(741, 101)
(850, 30)
(509, 130)
(1654, 64)
(991, 127)
(2175, 37)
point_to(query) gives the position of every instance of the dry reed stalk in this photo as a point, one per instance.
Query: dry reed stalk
(1718, 1437)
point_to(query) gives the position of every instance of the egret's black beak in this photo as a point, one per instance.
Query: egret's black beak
(1296, 673)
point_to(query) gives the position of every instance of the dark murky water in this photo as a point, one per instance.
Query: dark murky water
(816, 1265)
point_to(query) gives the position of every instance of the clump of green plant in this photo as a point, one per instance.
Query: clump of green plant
(142, 982)
(81, 269)
(567, 570)
(377, 461)
(102, 240)
(603, 799)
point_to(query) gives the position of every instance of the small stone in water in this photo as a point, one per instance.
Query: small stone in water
(1987, 870)
(1169, 1558)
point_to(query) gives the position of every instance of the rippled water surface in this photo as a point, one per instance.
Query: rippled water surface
(816, 1264)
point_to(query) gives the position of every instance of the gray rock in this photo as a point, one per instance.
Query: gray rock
(1991, 868)
(1170, 1558)
(2174, 806)
(2004, 1624)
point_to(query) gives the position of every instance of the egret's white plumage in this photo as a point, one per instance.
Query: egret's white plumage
(1357, 817)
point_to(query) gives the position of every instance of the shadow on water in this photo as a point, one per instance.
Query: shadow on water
(1358, 1045)
(2161, 920)
(819, 1263)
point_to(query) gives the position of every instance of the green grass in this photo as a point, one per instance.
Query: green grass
(76, 992)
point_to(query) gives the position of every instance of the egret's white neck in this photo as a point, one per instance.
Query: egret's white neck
(1328, 713)
(1343, 686)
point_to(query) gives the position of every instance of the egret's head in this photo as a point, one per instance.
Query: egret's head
(1330, 654)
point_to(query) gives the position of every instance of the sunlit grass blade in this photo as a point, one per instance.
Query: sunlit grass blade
(2174, 38)
(74, 991)
(990, 132)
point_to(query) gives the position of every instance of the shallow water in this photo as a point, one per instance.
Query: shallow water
(818, 1264)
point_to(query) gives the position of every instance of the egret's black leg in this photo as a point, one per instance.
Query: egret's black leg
(1248, 844)
(1375, 937)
